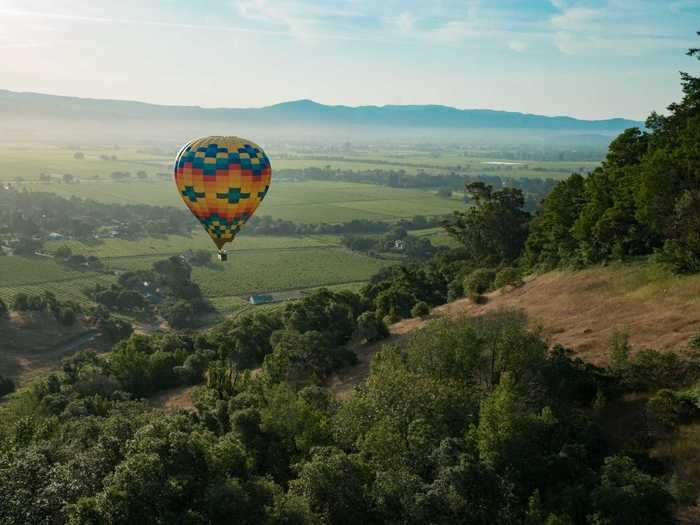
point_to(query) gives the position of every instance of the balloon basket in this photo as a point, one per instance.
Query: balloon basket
(223, 256)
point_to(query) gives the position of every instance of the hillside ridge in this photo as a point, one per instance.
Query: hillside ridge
(302, 112)
(580, 310)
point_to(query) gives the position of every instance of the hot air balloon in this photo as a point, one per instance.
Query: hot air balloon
(222, 180)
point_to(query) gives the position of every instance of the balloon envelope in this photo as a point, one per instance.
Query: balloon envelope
(222, 180)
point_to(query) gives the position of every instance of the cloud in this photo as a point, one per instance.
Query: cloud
(272, 21)
(621, 27)
(454, 31)
(575, 18)
(301, 19)
(405, 22)
(517, 45)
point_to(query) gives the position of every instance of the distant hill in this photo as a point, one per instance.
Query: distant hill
(20, 113)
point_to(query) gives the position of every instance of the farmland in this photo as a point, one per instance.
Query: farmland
(302, 202)
(57, 170)
(30, 161)
(257, 263)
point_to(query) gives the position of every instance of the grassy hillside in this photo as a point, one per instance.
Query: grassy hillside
(581, 310)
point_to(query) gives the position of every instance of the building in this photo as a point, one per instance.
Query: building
(260, 299)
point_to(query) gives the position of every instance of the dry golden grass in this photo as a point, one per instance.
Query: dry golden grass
(580, 310)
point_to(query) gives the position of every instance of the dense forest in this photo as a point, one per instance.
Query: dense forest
(473, 421)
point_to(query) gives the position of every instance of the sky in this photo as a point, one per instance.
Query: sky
(587, 59)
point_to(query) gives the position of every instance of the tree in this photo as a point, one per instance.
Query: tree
(334, 485)
(420, 309)
(27, 246)
(627, 495)
(551, 241)
(66, 316)
(479, 282)
(7, 386)
(20, 302)
(299, 358)
(130, 300)
(63, 251)
(130, 365)
(397, 300)
(325, 312)
(507, 276)
(114, 329)
(4, 311)
(644, 198)
(495, 228)
(371, 327)
(245, 340)
(178, 314)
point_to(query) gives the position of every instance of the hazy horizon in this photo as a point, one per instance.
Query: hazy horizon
(301, 100)
(589, 59)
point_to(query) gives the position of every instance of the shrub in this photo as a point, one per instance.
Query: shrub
(7, 386)
(670, 408)
(66, 316)
(695, 342)
(371, 328)
(420, 309)
(478, 282)
(649, 370)
(178, 314)
(455, 290)
(396, 300)
(63, 251)
(20, 303)
(619, 352)
(391, 318)
(628, 495)
(507, 276)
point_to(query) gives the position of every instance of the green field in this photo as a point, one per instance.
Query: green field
(302, 202)
(256, 264)
(30, 161)
(69, 289)
(18, 271)
(177, 244)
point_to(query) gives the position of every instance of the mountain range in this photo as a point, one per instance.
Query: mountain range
(21, 111)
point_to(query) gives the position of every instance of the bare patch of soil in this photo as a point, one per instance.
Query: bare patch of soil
(31, 343)
(173, 399)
